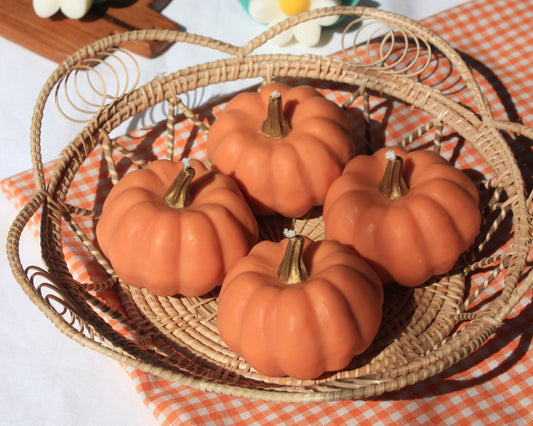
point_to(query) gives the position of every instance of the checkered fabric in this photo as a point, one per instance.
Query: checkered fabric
(493, 385)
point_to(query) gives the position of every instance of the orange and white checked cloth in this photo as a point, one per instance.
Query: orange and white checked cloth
(494, 385)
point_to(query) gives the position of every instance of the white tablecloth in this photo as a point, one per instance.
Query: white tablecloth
(48, 379)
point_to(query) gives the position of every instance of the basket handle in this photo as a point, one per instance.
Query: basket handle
(95, 51)
(408, 25)
(517, 128)
(28, 211)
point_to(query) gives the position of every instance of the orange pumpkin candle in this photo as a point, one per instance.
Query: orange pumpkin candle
(283, 145)
(409, 214)
(299, 308)
(175, 229)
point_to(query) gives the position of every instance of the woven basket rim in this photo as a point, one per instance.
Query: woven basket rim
(479, 127)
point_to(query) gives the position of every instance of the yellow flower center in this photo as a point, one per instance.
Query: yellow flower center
(294, 7)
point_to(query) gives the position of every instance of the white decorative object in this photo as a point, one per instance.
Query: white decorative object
(73, 9)
(273, 11)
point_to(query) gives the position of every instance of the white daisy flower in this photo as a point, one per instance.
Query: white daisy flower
(273, 11)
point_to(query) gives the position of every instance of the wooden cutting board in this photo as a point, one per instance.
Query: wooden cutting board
(58, 37)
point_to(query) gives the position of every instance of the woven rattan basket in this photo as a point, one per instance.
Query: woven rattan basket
(424, 331)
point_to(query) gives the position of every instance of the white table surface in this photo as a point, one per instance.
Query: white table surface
(48, 379)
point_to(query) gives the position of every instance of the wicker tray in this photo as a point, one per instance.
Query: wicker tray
(424, 331)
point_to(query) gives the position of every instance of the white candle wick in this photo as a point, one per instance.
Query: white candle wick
(390, 155)
(289, 233)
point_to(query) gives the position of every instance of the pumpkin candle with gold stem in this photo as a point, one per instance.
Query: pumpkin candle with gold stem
(175, 229)
(283, 145)
(409, 214)
(299, 308)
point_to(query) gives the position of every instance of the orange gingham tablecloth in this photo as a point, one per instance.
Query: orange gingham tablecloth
(494, 384)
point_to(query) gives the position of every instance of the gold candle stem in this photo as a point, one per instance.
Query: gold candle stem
(393, 185)
(292, 268)
(276, 125)
(177, 195)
